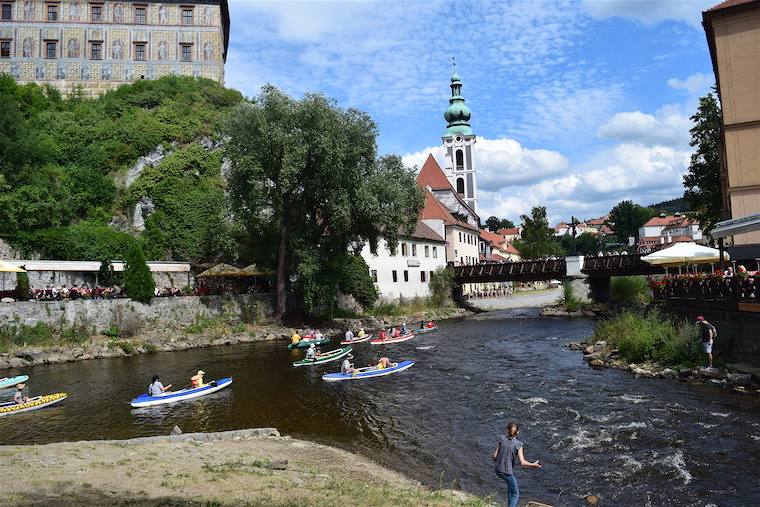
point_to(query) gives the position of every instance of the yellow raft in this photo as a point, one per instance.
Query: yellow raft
(33, 404)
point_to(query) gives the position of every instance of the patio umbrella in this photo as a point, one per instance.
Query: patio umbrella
(9, 268)
(684, 253)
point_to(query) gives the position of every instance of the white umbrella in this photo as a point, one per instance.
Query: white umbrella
(684, 253)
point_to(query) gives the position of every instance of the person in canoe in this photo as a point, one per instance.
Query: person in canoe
(431, 324)
(18, 396)
(404, 329)
(311, 352)
(361, 334)
(295, 338)
(156, 388)
(382, 335)
(347, 367)
(422, 324)
(197, 379)
(349, 336)
(395, 333)
(383, 363)
(318, 335)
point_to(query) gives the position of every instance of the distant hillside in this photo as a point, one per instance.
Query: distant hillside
(678, 204)
(86, 178)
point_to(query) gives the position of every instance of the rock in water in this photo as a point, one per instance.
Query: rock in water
(176, 431)
(592, 500)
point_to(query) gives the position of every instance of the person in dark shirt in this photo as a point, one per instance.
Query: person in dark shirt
(509, 450)
(707, 334)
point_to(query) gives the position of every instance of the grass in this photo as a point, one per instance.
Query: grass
(650, 336)
(568, 299)
(126, 346)
(630, 289)
(41, 334)
(201, 324)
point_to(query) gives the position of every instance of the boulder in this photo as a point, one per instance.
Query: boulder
(668, 373)
(596, 362)
(176, 431)
(739, 378)
(592, 500)
(16, 362)
(589, 350)
(271, 336)
(31, 355)
(151, 159)
(347, 303)
(711, 373)
(7, 300)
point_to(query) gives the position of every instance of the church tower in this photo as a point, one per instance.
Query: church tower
(458, 143)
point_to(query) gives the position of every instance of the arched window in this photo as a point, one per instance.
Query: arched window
(460, 185)
(460, 159)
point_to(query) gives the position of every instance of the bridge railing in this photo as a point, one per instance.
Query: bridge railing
(511, 271)
(708, 288)
(619, 265)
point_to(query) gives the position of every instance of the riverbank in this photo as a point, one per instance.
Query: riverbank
(49, 345)
(251, 467)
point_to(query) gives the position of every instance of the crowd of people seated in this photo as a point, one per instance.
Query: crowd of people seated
(59, 293)
(168, 292)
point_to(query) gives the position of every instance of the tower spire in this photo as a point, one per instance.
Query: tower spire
(459, 141)
(457, 115)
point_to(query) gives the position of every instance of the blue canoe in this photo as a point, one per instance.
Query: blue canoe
(369, 372)
(146, 400)
(12, 381)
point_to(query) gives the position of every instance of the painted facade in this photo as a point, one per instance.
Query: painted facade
(100, 45)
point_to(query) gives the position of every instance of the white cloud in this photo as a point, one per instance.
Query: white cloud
(697, 83)
(501, 163)
(650, 11)
(669, 127)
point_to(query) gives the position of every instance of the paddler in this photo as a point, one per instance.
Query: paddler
(362, 334)
(422, 324)
(349, 336)
(311, 352)
(156, 388)
(404, 330)
(197, 379)
(347, 367)
(382, 334)
(318, 335)
(383, 363)
(395, 333)
(431, 324)
(295, 338)
(18, 396)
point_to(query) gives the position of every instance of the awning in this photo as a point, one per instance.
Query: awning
(736, 226)
(9, 268)
(684, 253)
(223, 270)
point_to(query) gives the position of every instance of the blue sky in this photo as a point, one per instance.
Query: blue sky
(576, 104)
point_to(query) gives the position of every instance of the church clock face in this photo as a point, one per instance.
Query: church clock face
(458, 139)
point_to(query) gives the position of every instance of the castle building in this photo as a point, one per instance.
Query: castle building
(458, 141)
(101, 44)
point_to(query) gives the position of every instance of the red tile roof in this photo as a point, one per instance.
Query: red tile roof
(433, 209)
(509, 231)
(422, 231)
(510, 248)
(727, 4)
(491, 237)
(431, 175)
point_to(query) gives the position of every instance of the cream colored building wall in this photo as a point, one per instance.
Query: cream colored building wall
(737, 48)
(74, 32)
(461, 252)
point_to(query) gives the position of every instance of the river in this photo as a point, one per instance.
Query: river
(630, 441)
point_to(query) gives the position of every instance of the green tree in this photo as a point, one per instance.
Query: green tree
(312, 176)
(538, 239)
(22, 287)
(493, 223)
(585, 243)
(441, 285)
(356, 281)
(138, 280)
(626, 218)
(702, 181)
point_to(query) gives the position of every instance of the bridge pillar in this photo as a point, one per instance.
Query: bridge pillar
(599, 289)
(577, 279)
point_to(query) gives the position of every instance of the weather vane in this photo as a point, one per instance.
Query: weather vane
(454, 62)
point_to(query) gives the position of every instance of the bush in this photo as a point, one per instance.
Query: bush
(568, 299)
(356, 281)
(441, 285)
(629, 289)
(651, 336)
(22, 287)
(138, 281)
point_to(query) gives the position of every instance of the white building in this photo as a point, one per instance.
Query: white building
(407, 273)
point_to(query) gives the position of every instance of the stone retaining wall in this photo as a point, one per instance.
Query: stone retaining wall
(131, 316)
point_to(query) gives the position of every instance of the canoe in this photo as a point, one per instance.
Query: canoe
(12, 381)
(33, 404)
(303, 344)
(369, 372)
(426, 330)
(398, 339)
(146, 400)
(356, 340)
(325, 358)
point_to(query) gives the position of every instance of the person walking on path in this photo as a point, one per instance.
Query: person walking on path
(508, 451)
(707, 333)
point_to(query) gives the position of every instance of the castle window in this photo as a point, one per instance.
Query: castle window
(140, 14)
(435, 252)
(414, 250)
(51, 49)
(427, 251)
(186, 52)
(96, 13)
(96, 51)
(422, 277)
(460, 160)
(5, 49)
(52, 12)
(394, 273)
(460, 185)
(187, 15)
(140, 52)
(406, 275)
(404, 249)
(7, 12)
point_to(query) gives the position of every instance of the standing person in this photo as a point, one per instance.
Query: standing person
(509, 450)
(707, 333)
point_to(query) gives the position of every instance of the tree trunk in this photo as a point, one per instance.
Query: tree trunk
(282, 292)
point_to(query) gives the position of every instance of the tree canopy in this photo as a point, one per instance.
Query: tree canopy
(538, 239)
(494, 223)
(626, 218)
(307, 172)
(702, 182)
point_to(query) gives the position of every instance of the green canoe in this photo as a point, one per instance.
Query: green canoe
(324, 358)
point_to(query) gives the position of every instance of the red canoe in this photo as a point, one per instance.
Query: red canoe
(398, 339)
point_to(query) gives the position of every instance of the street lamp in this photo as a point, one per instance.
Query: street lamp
(573, 223)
